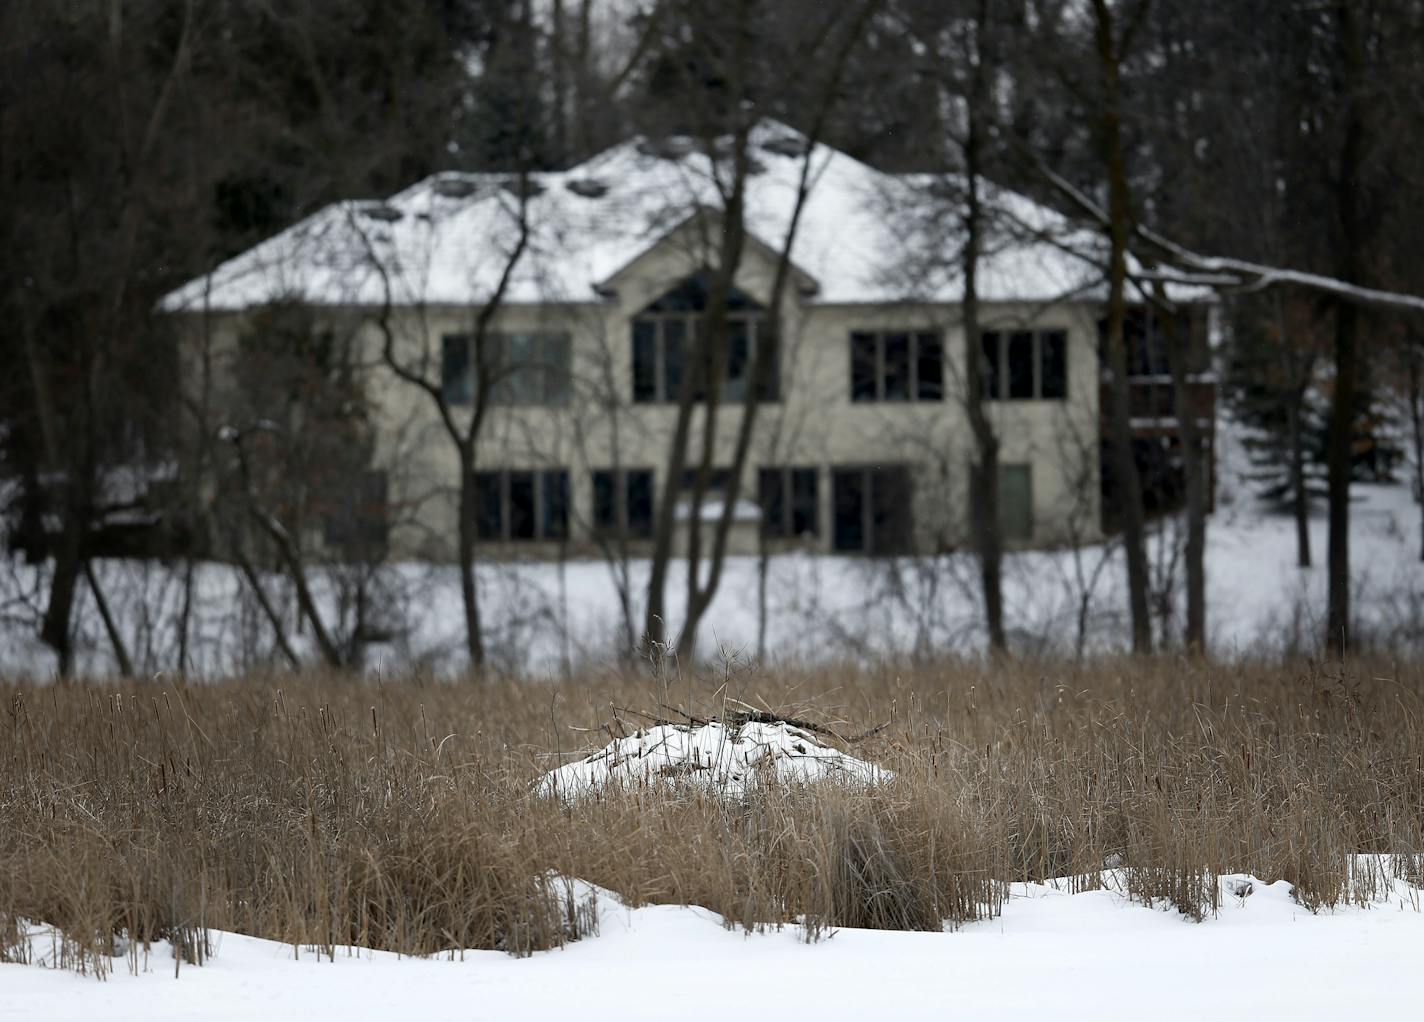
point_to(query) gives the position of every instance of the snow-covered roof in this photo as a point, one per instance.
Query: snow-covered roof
(865, 236)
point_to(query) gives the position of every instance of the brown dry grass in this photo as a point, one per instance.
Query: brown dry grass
(328, 811)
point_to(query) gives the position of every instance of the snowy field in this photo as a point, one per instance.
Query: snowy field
(1050, 954)
(548, 618)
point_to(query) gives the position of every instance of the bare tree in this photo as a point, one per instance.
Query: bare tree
(702, 387)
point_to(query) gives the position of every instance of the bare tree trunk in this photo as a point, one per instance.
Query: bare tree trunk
(1342, 403)
(1300, 498)
(254, 582)
(1119, 224)
(469, 595)
(1416, 421)
(185, 616)
(984, 474)
(69, 554)
(1337, 618)
(701, 596)
(464, 439)
(1295, 436)
(55, 629)
(1193, 466)
(763, 571)
(306, 602)
(111, 628)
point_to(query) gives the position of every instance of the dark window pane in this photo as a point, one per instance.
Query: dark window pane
(1020, 365)
(645, 360)
(1015, 502)
(805, 517)
(522, 519)
(929, 367)
(862, 367)
(640, 502)
(556, 369)
(992, 370)
(739, 355)
(770, 354)
(692, 295)
(489, 517)
(848, 494)
(520, 379)
(605, 506)
(1054, 367)
(772, 501)
(897, 367)
(891, 531)
(556, 505)
(455, 382)
(674, 357)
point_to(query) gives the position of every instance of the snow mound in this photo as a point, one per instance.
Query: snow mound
(731, 758)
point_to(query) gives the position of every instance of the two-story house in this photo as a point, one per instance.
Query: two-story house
(862, 442)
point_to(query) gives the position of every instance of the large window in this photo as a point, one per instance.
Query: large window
(788, 500)
(1024, 365)
(1016, 502)
(665, 335)
(514, 506)
(524, 368)
(872, 510)
(896, 365)
(623, 502)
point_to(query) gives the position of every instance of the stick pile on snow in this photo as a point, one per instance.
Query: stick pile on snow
(731, 758)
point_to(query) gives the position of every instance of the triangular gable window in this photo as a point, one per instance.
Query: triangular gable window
(665, 336)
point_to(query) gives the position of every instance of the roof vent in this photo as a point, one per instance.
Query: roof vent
(588, 187)
(381, 211)
(786, 145)
(525, 188)
(670, 147)
(455, 187)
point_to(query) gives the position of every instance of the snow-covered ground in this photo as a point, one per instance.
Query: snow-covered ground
(546, 617)
(1049, 955)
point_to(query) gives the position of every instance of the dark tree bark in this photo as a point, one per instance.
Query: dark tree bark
(1119, 214)
(1416, 422)
(710, 353)
(463, 436)
(984, 473)
(1342, 402)
(1194, 468)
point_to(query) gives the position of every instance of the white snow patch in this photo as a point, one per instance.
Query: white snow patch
(729, 758)
(1051, 954)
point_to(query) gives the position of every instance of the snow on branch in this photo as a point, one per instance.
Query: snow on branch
(1227, 272)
